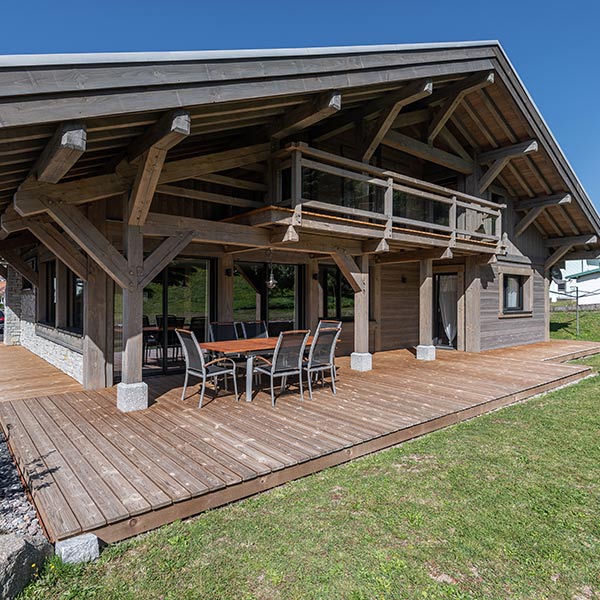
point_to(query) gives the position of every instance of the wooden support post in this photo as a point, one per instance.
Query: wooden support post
(426, 349)
(361, 359)
(132, 392)
(546, 305)
(225, 288)
(98, 306)
(377, 306)
(472, 304)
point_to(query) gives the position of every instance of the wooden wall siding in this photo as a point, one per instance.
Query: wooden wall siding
(530, 243)
(399, 322)
(502, 332)
(399, 306)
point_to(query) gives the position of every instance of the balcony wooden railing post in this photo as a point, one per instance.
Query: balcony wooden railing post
(452, 221)
(388, 207)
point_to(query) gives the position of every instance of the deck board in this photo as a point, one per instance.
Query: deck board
(92, 468)
(25, 375)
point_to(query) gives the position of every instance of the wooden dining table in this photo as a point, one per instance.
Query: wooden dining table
(249, 348)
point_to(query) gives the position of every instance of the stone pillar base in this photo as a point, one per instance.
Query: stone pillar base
(81, 548)
(132, 396)
(361, 361)
(425, 352)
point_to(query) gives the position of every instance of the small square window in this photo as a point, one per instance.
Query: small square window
(513, 293)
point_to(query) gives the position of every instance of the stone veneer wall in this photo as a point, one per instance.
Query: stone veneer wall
(61, 349)
(12, 308)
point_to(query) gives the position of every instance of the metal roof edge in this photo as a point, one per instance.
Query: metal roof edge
(35, 60)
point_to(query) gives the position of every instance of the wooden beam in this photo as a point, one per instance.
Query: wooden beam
(584, 255)
(414, 256)
(152, 148)
(166, 133)
(557, 255)
(27, 198)
(455, 96)
(306, 115)
(543, 202)
(513, 151)
(414, 147)
(62, 151)
(376, 133)
(18, 242)
(214, 162)
(528, 219)
(164, 254)
(60, 245)
(3, 272)
(348, 119)
(576, 240)
(215, 232)
(414, 117)
(234, 182)
(495, 169)
(377, 246)
(93, 242)
(18, 264)
(191, 194)
(349, 269)
(12, 221)
(144, 186)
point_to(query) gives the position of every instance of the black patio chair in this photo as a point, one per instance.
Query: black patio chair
(255, 329)
(287, 360)
(321, 356)
(222, 331)
(197, 367)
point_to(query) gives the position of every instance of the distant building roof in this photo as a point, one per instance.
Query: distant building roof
(583, 274)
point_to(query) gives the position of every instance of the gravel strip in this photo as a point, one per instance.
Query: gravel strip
(17, 514)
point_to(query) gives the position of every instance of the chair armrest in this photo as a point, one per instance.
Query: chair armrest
(216, 361)
(266, 360)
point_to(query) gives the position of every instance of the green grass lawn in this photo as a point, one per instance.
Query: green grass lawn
(563, 325)
(503, 506)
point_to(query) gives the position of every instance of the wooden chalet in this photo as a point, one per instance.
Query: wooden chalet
(413, 192)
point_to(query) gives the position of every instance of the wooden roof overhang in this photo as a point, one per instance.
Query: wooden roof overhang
(237, 98)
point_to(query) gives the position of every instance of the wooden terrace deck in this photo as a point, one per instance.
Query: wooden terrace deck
(91, 468)
(25, 375)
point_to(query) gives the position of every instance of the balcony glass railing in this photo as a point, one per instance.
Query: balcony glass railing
(328, 183)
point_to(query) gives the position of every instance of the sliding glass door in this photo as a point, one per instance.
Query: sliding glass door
(179, 297)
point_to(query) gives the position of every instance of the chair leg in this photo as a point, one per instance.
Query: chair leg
(301, 388)
(309, 378)
(333, 380)
(235, 387)
(184, 386)
(202, 392)
(272, 391)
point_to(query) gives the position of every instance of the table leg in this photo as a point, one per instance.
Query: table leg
(249, 376)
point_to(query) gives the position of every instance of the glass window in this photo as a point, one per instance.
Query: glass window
(75, 303)
(513, 293)
(338, 296)
(49, 309)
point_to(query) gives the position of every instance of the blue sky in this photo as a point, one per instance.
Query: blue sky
(554, 45)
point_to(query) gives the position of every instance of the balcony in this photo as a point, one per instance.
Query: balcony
(325, 192)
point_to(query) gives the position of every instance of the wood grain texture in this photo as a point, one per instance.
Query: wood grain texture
(92, 468)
